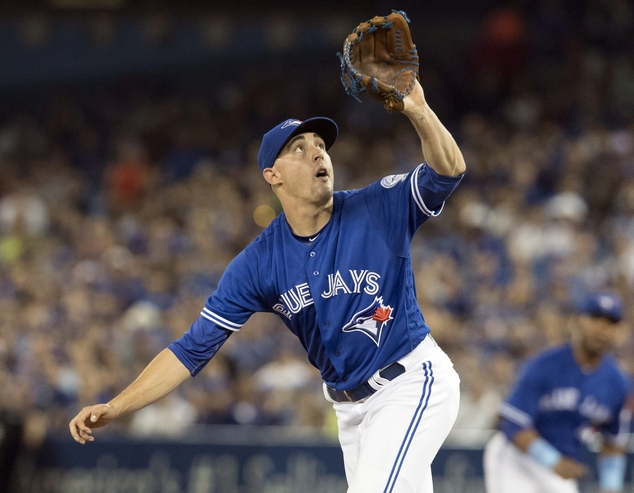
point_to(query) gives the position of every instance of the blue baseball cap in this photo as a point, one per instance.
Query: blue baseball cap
(606, 305)
(276, 138)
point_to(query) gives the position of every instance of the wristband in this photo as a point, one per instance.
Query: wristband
(611, 472)
(544, 453)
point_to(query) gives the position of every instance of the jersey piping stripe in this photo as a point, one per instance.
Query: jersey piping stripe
(411, 430)
(209, 315)
(515, 415)
(418, 198)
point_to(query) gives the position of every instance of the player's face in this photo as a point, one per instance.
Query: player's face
(305, 168)
(598, 334)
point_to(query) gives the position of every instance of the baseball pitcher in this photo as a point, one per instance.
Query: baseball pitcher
(336, 268)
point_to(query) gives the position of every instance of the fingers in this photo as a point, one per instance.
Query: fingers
(81, 425)
(80, 432)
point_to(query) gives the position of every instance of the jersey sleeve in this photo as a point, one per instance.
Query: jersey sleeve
(229, 307)
(520, 409)
(400, 204)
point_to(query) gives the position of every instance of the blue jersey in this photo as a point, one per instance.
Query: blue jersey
(348, 295)
(565, 403)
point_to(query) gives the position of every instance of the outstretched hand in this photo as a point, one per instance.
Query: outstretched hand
(88, 418)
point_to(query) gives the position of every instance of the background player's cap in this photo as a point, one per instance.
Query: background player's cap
(607, 305)
(276, 138)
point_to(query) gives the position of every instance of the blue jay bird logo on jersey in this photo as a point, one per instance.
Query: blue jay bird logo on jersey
(371, 320)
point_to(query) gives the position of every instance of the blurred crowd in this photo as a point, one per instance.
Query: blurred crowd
(122, 203)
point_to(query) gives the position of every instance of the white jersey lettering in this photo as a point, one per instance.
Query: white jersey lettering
(357, 279)
(303, 290)
(340, 285)
(292, 301)
(279, 308)
(372, 286)
(560, 399)
(593, 410)
(337, 284)
(295, 299)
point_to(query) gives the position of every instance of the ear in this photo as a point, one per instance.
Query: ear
(272, 176)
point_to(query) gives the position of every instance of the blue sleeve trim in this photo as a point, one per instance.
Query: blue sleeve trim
(199, 344)
(509, 428)
(217, 319)
(430, 190)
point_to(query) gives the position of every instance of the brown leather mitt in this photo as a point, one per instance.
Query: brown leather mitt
(379, 58)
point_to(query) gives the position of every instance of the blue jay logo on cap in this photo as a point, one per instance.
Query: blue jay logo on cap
(608, 305)
(289, 123)
(606, 302)
(275, 139)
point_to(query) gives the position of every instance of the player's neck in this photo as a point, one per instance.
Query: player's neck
(586, 359)
(308, 220)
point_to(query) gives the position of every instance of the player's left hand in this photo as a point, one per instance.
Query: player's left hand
(90, 417)
(380, 59)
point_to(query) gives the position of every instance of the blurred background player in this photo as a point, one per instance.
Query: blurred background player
(565, 397)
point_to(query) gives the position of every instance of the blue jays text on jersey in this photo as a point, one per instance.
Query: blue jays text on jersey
(348, 295)
(561, 401)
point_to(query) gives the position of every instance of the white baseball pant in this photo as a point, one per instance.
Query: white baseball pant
(508, 469)
(390, 439)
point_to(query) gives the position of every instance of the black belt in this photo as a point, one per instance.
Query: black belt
(364, 390)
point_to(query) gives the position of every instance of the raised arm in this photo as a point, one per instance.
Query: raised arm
(440, 150)
(160, 377)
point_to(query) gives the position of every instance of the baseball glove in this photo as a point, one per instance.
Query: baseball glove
(379, 58)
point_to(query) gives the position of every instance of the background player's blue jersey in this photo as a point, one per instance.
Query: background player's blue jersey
(349, 295)
(563, 401)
